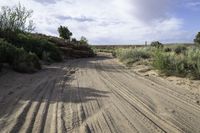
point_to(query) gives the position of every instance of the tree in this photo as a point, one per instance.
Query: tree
(83, 40)
(197, 39)
(157, 44)
(74, 40)
(64, 32)
(16, 19)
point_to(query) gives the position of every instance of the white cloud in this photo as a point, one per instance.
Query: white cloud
(193, 4)
(113, 21)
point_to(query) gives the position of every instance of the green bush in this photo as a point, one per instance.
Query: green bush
(84, 48)
(193, 59)
(18, 58)
(129, 56)
(24, 62)
(180, 49)
(157, 44)
(170, 63)
(38, 46)
(167, 49)
(7, 52)
(187, 64)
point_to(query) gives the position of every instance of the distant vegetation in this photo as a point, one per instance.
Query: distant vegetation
(24, 51)
(178, 60)
(130, 56)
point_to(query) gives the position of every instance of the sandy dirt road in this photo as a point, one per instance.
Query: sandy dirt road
(94, 95)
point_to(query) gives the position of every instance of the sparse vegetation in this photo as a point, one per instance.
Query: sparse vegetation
(130, 56)
(184, 64)
(176, 60)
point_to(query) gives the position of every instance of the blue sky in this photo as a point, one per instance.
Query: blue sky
(117, 21)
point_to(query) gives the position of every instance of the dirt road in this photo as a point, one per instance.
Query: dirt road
(94, 95)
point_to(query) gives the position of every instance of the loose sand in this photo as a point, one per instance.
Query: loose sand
(95, 95)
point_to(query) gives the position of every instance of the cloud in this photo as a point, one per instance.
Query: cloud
(46, 1)
(113, 21)
(148, 10)
(195, 5)
(79, 19)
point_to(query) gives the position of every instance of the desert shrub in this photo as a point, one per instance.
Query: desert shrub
(7, 52)
(85, 48)
(105, 50)
(157, 44)
(160, 60)
(167, 49)
(24, 62)
(180, 49)
(46, 56)
(114, 54)
(187, 64)
(193, 59)
(170, 63)
(129, 56)
(38, 46)
(18, 58)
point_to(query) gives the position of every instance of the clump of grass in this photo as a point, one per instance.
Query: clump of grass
(130, 56)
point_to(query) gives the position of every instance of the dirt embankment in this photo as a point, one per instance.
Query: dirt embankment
(95, 95)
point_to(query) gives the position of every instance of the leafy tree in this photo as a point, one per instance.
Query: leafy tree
(197, 39)
(16, 19)
(64, 32)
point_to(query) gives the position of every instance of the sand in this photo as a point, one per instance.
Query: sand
(95, 95)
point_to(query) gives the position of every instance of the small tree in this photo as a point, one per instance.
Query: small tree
(64, 32)
(83, 40)
(197, 39)
(157, 44)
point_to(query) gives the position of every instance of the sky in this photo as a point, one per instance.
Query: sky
(117, 21)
